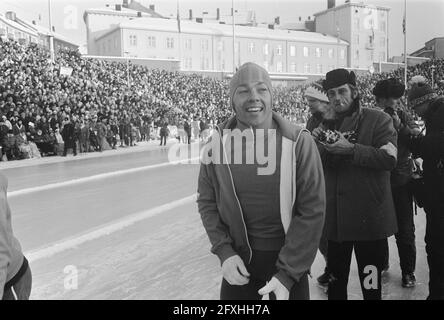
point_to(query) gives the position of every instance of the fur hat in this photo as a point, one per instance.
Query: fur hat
(389, 88)
(316, 92)
(420, 92)
(337, 78)
(249, 72)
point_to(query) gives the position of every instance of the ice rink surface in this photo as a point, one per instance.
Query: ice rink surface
(136, 234)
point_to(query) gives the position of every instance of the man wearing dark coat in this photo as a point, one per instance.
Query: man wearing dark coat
(360, 212)
(68, 135)
(430, 147)
(387, 93)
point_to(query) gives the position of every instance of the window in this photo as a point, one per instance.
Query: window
(170, 43)
(188, 44)
(204, 44)
(151, 41)
(307, 68)
(382, 26)
(382, 56)
(279, 66)
(292, 51)
(251, 47)
(223, 65)
(319, 68)
(133, 40)
(357, 55)
(356, 39)
(221, 46)
(356, 23)
(305, 51)
(382, 42)
(342, 54)
(330, 53)
(266, 65)
(293, 67)
(370, 41)
(370, 55)
(266, 49)
(318, 52)
(279, 50)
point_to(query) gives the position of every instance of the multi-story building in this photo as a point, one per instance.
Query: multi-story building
(100, 20)
(14, 28)
(364, 27)
(209, 46)
(433, 48)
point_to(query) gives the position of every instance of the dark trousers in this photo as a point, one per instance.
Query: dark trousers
(68, 145)
(405, 238)
(434, 239)
(189, 139)
(261, 269)
(163, 139)
(368, 254)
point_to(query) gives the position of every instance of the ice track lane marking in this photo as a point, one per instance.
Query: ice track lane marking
(94, 177)
(104, 230)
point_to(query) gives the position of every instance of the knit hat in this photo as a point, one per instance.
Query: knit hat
(247, 73)
(420, 92)
(316, 92)
(389, 88)
(337, 78)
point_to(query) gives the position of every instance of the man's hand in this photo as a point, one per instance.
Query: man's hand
(234, 271)
(274, 285)
(396, 121)
(341, 147)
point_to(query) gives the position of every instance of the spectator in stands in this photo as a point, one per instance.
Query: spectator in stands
(69, 138)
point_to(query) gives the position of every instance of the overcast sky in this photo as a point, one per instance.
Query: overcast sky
(424, 17)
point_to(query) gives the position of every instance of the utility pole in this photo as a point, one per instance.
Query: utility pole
(404, 27)
(51, 36)
(234, 48)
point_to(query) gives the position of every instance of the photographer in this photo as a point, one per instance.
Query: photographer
(360, 211)
(430, 107)
(388, 93)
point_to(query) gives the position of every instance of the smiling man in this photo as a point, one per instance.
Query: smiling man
(360, 213)
(265, 228)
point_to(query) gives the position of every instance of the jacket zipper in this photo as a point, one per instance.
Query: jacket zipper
(237, 199)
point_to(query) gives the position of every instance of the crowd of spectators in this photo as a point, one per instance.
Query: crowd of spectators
(45, 112)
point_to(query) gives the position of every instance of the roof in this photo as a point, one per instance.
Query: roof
(57, 36)
(350, 4)
(190, 27)
(111, 10)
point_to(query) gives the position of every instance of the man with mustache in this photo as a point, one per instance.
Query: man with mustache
(360, 213)
(264, 228)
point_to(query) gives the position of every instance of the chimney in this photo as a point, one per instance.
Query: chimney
(33, 22)
(118, 7)
(199, 20)
(191, 14)
(125, 3)
(217, 14)
(277, 20)
(10, 15)
(309, 18)
(152, 7)
(139, 14)
(53, 29)
(331, 4)
(300, 18)
(271, 26)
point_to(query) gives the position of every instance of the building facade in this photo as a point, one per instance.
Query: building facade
(14, 28)
(433, 49)
(209, 46)
(364, 27)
